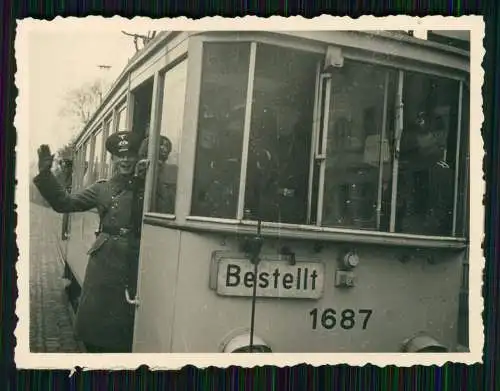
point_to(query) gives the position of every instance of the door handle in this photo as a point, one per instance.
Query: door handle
(134, 301)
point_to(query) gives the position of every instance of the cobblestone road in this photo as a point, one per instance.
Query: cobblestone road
(51, 329)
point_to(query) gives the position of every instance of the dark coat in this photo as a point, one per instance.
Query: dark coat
(104, 318)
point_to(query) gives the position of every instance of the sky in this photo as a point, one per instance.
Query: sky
(61, 61)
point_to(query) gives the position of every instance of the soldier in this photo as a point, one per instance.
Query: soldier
(104, 319)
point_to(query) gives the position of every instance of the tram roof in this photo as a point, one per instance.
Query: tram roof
(164, 36)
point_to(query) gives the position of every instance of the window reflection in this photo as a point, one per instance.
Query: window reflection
(87, 173)
(121, 124)
(107, 169)
(174, 90)
(428, 145)
(361, 119)
(280, 136)
(77, 166)
(81, 167)
(98, 164)
(220, 129)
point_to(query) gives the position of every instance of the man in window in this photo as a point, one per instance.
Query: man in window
(427, 180)
(166, 176)
(104, 319)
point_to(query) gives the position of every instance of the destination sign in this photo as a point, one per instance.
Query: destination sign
(304, 280)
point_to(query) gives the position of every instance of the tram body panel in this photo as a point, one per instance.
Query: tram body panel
(414, 295)
(82, 235)
(62, 245)
(157, 287)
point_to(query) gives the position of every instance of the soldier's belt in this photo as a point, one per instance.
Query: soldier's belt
(117, 231)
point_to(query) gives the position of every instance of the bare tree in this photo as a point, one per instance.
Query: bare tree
(79, 106)
(82, 102)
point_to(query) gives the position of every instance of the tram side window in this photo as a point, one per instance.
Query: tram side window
(121, 119)
(174, 93)
(220, 129)
(280, 135)
(97, 166)
(427, 155)
(81, 166)
(77, 169)
(87, 165)
(108, 130)
(143, 96)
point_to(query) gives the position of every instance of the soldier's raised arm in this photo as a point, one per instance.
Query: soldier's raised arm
(55, 194)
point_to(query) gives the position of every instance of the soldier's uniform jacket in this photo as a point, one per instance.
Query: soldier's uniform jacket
(104, 318)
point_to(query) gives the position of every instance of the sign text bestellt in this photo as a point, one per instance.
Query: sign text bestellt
(303, 279)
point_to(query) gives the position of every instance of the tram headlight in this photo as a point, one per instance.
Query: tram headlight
(351, 259)
(241, 344)
(422, 343)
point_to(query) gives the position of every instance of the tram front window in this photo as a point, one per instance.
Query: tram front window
(360, 125)
(280, 135)
(354, 178)
(427, 158)
(220, 129)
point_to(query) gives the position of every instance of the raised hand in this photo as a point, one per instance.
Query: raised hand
(141, 168)
(45, 158)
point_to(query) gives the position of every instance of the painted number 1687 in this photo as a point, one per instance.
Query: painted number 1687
(346, 319)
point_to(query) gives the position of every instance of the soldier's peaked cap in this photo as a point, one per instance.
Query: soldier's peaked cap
(123, 143)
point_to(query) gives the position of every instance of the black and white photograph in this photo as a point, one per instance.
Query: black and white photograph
(192, 189)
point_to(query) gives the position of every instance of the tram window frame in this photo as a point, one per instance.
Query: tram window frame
(280, 134)
(108, 129)
(76, 169)
(121, 108)
(83, 155)
(206, 187)
(434, 210)
(239, 212)
(88, 161)
(81, 169)
(165, 127)
(362, 170)
(98, 156)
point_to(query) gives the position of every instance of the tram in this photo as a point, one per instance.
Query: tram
(319, 186)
